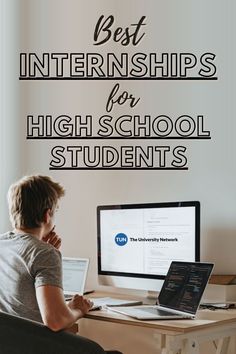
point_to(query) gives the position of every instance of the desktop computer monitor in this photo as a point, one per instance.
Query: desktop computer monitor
(137, 242)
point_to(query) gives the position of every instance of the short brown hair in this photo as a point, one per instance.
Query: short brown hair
(30, 197)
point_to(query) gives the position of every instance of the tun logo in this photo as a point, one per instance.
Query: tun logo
(121, 239)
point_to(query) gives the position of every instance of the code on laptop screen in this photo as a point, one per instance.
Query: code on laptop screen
(184, 286)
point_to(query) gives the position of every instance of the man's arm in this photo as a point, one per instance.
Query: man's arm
(56, 314)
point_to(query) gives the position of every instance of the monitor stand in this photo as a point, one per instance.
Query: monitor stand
(152, 295)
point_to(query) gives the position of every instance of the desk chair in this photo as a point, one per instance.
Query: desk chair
(18, 335)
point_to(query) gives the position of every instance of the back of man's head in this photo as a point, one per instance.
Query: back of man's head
(29, 199)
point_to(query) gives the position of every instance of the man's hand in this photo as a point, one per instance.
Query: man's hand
(53, 239)
(80, 303)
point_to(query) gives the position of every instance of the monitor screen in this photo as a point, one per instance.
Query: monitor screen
(141, 240)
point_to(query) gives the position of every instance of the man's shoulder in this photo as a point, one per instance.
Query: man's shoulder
(5, 235)
(41, 254)
(28, 245)
(41, 246)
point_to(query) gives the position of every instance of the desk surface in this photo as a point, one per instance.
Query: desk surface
(204, 319)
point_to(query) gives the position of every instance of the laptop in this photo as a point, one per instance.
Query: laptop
(74, 272)
(180, 294)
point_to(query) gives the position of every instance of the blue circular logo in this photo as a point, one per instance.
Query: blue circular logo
(121, 239)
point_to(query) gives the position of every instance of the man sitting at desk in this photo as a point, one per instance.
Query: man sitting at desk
(30, 261)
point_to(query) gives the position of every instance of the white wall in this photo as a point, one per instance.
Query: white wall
(187, 26)
(12, 162)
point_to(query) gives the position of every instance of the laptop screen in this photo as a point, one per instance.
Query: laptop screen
(74, 274)
(184, 286)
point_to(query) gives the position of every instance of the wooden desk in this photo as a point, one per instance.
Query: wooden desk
(182, 336)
